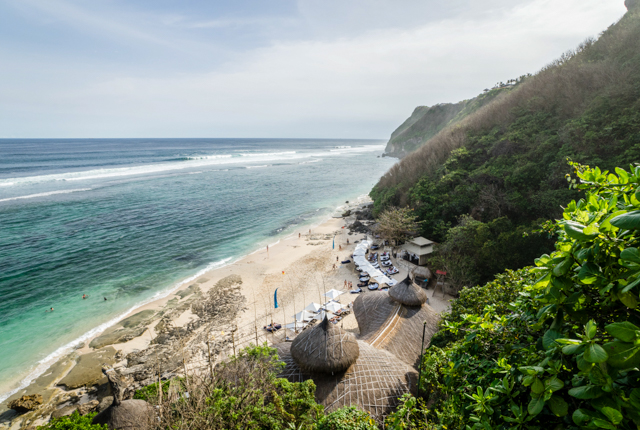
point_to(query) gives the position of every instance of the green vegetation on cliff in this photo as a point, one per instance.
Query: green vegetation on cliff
(504, 165)
(426, 121)
(553, 346)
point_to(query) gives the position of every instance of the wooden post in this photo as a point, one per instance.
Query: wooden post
(233, 340)
(210, 363)
(424, 329)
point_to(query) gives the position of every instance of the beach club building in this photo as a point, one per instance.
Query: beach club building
(416, 250)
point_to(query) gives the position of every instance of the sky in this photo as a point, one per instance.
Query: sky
(266, 68)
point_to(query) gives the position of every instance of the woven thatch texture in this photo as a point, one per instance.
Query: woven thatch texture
(372, 310)
(325, 348)
(373, 383)
(394, 328)
(408, 294)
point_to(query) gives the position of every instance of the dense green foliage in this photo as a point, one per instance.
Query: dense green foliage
(508, 159)
(553, 346)
(74, 421)
(347, 418)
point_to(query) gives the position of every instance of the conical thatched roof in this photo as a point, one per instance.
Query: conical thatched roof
(407, 293)
(325, 348)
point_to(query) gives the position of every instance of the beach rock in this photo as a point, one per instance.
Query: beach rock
(86, 408)
(26, 403)
(129, 415)
(104, 403)
(63, 411)
(127, 329)
(87, 371)
(346, 213)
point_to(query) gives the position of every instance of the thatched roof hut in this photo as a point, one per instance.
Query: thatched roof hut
(386, 324)
(407, 293)
(374, 383)
(325, 348)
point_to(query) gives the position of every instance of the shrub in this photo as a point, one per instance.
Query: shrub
(347, 418)
(75, 421)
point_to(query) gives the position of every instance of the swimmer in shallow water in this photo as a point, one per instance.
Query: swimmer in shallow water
(50, 310)
(84, 296)
(105, 299)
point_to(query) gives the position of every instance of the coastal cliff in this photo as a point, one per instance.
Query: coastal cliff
(427, 121)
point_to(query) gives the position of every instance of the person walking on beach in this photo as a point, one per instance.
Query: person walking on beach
(345, 283)
(298, 235)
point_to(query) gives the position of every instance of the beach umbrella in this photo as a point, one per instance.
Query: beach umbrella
(333, 293)
(322, 314)
(296, 325)
(333, 306)
(303, 316)
(313, 307)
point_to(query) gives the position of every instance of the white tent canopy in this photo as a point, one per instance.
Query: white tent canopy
(333, 293)
(303, 316)
(296, 325)
(333, 306)
(320, 316)
(313, 307)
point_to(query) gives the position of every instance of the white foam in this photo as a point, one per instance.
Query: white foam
(204, 161)
(46, 362)
(255, 167)
(50, 193)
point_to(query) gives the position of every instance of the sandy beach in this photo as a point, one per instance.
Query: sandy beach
(302, 267)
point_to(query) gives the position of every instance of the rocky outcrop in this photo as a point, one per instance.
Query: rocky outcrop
(632, 4)
(26, 403)
(124, 414)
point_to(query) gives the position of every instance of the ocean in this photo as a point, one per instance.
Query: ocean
(132, 219)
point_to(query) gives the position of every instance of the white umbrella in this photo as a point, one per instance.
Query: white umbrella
(296, 325)
(322, 314)
(333, 293)
(333, 306)
(313, 307)
(303, 316)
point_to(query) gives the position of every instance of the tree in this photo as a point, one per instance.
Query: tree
(397, 224)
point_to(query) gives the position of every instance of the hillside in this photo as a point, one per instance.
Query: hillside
(504, 165)
(426, 121)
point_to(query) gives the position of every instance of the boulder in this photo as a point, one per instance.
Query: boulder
(128, 415)
(124, 414)
(26, 403)
(346, 213)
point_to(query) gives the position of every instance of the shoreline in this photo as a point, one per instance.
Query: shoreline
(160, 299)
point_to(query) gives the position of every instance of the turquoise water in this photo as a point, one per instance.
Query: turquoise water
(131, 219)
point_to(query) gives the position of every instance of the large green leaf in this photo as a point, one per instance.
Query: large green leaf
(563, 267)
(558, 406)
(589, 273)
(595, 354)
(612, 414)
(576, 231)
(625, 331)
(553, 384)
(634, 398)
(623, 355)
(535, 405)
(631, 254)
(628, 221)
(582, 416)
(537, 387)
(586, 392)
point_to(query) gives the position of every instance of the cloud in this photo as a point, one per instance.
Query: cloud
(354, 85)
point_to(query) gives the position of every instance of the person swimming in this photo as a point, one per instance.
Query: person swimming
(50, 310)
(105, 299)
(84, 296)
